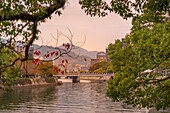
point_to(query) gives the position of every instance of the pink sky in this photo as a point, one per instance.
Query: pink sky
(99, 32)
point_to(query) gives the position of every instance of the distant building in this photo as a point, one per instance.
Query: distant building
(31, 49)
(101, 56)
(107, 55)
(20, 48)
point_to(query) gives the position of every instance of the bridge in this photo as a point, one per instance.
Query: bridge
(76, 76)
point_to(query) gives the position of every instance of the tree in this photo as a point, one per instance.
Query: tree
(32, 68)
(101, 67)
(94, 67)
(147, 48)
(18, 25)
(47, 68)
(21, 18)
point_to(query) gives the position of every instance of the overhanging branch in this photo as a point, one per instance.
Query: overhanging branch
(31, 41)
(155, 80)
(4, 68)
(38, 16)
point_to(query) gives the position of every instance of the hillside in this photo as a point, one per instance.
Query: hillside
(77, 54)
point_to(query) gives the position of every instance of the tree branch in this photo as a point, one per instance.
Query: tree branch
(19, 31)
(38, 16)
(159, 80)
(156, 80)
(10, 47)
(31, 41)
(9, 65)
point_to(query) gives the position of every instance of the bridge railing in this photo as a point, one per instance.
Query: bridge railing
(93, 73)
(88, 73)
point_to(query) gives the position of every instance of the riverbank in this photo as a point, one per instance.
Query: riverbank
(95, 79)
(25, 82)
(85, 79)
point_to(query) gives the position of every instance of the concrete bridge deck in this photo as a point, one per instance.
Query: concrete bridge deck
(76, 76)
(85, 74)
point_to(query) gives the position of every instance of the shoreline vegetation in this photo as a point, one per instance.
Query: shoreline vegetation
(23, 82)
(31, 82)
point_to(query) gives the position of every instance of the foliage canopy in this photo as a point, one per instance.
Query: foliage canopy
(147, 47)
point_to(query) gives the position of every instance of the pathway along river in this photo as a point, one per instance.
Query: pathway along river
(67, 98)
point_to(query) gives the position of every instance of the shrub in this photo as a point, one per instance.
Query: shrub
(50, 79)
(22, 81)
(82, 71)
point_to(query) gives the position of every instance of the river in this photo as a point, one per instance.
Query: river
(67, 98)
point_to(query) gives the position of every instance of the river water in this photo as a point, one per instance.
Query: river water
(67, 98)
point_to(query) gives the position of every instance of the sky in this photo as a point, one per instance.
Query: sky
(97, 33)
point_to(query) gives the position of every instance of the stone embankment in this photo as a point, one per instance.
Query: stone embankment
(20, 82)
(95, 79)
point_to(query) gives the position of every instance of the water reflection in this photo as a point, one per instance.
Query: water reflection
(68, 98)
(27, 97)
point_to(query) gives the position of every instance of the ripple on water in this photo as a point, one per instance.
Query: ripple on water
(68, 98)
